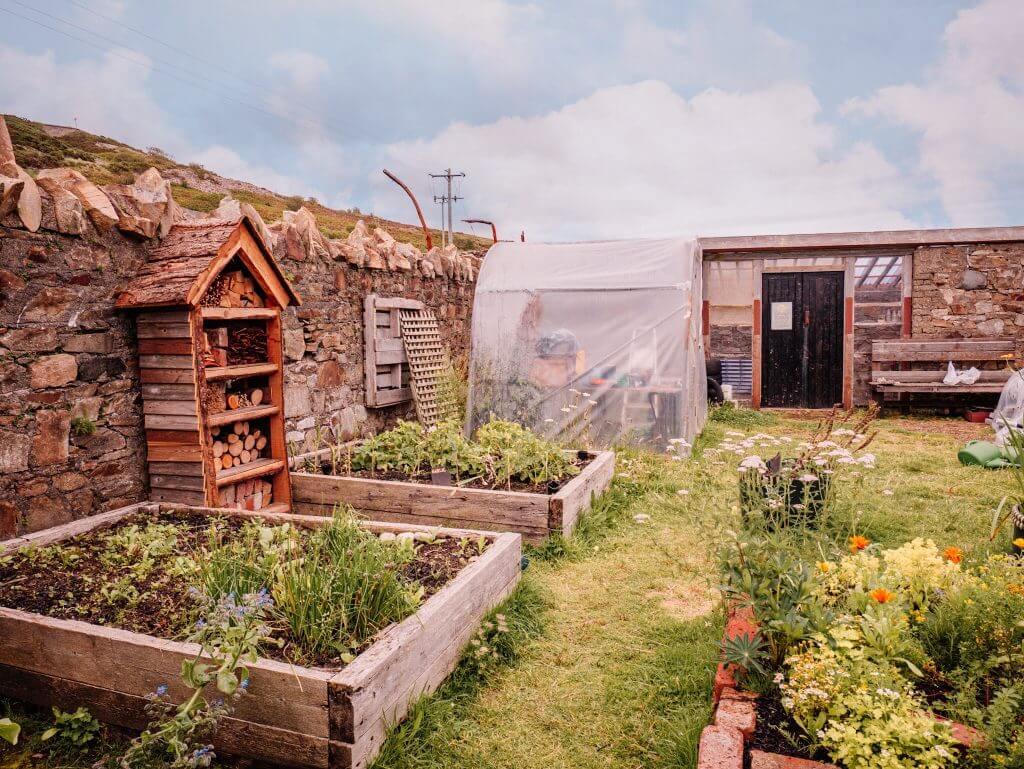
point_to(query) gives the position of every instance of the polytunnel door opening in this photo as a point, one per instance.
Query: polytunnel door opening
(802, 340)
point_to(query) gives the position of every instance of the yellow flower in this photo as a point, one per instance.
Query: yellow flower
(1019, 542)
(824, 566)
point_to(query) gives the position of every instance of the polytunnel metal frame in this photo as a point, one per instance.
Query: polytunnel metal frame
(594, 344)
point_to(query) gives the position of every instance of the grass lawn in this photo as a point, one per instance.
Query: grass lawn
(617, 630)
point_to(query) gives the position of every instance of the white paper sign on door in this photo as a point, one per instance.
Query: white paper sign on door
(782, 316)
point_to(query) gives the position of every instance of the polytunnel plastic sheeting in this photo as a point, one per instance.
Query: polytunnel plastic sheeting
(593, 344)
(1009, 411)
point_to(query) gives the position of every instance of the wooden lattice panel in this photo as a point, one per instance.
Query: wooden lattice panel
(428, 360)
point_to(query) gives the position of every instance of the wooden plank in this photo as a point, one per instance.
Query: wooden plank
(169, 407)
(170, 422)
(239, 313)
(169, 392)
(572, 500)
(934, 377)
(137, 664)
(933, 356)
(242, 415)
(177, 468)
(389, 345)
(234, 736)
(479, 508)
(396, 395)
(377, 688)
(165, 347)
(370, 350)
(180, 496)
(166, 376)
(398, 303)
(238, 372)
(146, 328)
(983, 387)
(173, 446)
(180, 482)
(69, 530)
(255, 469)
(166, 361)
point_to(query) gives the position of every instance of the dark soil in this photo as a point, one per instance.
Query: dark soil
(775, 732)
(395, 475)
(69, 580)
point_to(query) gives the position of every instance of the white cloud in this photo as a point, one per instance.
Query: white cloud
(969, 112)
(227, 162)
(722, 46)
(640, 160)
(304, 68)
(106, 95)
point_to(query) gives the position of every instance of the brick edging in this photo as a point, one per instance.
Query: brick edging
(722, 743)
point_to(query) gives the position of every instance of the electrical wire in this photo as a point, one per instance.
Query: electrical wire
(190, 81)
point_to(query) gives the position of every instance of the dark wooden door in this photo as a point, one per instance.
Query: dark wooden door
(802, 339)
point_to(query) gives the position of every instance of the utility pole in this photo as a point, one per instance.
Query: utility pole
(447, 201)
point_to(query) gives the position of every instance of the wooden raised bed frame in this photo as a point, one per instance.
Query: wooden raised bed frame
(292, 715)
(535, 516)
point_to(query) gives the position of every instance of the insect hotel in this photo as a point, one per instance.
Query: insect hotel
(208, 307)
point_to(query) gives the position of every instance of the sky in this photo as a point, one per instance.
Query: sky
(572, 119)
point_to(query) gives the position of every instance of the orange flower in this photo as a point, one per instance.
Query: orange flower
(881, 595)
(1019, 542)
(857, 542)
(953, 554)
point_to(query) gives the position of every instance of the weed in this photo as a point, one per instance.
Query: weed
(82, 426)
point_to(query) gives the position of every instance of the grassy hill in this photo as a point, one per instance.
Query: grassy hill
(107, 161)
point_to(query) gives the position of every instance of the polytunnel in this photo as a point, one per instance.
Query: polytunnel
(595, 344)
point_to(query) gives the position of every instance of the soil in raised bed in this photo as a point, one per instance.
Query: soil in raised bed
(69, 580)
(775, 731)
(396, 475)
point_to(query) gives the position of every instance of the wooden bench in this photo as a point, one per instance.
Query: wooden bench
(899, 354)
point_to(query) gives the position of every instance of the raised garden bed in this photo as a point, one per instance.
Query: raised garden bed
(535, 514)
(333, 715)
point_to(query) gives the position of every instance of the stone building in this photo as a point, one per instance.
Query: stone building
(850, 289)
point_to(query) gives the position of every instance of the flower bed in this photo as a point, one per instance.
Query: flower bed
(506, 479)
(332, 711)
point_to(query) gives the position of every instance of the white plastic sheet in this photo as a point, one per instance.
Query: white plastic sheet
(591, 343)
(1009, 413)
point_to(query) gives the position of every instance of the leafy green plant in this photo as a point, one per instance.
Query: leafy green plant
(82, 426)
(9, 731)
(71, 732)
(229, 635)
(745, 652)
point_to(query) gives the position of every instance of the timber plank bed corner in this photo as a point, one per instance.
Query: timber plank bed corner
(296, 716)
(535, 516)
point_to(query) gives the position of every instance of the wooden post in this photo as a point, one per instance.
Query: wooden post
(849, 287)
(908, 296)
(755, 353)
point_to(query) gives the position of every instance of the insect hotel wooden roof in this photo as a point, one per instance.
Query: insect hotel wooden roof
(186, 262)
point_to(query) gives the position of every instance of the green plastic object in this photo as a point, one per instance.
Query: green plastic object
(979, 453)
(985, 454)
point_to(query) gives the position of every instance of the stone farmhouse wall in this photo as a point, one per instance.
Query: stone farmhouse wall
(946, 306)
(71, 428)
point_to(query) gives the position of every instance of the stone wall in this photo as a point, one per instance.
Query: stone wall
(988, 301)
(71, 429)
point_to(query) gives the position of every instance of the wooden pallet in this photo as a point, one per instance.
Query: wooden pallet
(428, 360)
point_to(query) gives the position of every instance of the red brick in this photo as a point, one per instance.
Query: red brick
(739, 714)
(966, 736)
(730, 693)
(721, 747)
(761, 760)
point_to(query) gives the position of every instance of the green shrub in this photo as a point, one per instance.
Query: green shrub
(71, 732)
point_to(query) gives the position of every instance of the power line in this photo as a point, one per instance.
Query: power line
(447, 201)
(258, 88)
(194, 81)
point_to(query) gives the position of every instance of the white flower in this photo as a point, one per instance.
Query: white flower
(807, 478)
(641, 517)
(549, 419)
(753, 462)
(887, 492)
(586, 395)
(867, 459)
(683, 492)
(670, 447)
(779, 678)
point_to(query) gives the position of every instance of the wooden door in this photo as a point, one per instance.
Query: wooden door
(802, 339)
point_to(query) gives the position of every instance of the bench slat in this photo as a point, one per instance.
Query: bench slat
(933, 377)
(990, 387)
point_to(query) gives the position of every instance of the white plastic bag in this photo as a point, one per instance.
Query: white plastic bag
(952, 377)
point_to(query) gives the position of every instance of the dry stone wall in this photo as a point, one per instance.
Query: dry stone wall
(71, 429)
(972, 290)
